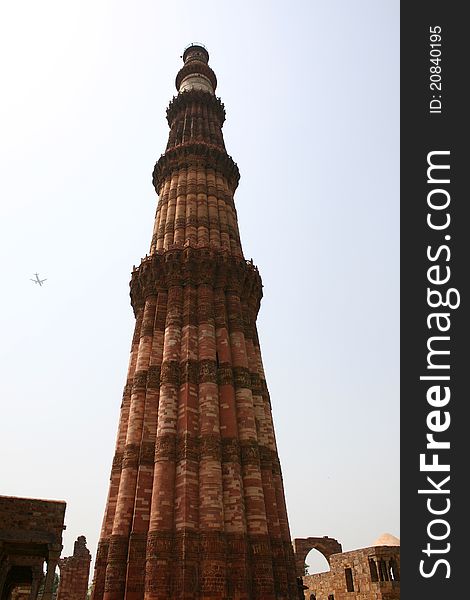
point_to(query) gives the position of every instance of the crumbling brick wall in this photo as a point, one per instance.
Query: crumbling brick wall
(30, 534)
(74, 572)
(366, 574)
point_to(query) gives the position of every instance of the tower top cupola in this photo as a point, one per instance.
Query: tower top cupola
(196, 74)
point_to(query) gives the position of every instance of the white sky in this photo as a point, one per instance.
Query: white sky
(311, 90)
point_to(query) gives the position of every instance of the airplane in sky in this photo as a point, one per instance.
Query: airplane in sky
(37, 280)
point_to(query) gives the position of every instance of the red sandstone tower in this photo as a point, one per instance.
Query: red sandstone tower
(196, 507)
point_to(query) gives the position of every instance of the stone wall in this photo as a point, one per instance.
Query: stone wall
(30, 534)
(302, 546)
(74, 572)
(21, 592)
(32, 518)
(367, 574)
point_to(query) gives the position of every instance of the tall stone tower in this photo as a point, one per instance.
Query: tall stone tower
(196, 507)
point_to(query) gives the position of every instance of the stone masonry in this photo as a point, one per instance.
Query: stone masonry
(21, 592)
(196, 506)
(302, 546)
(74, 572)
(366, 574)
(30, 534)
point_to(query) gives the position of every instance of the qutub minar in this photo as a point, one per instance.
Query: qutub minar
(196, 506)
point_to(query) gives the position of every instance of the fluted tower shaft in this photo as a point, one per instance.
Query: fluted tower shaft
(196, 506)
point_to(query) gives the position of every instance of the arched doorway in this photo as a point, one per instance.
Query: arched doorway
(302, 546)
(316, 562)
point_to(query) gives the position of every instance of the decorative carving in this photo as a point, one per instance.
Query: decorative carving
(102, 552)
(207, 371)
(165, 447)
(212, 544)
(187, 448)
(205, 306)
(147, 453)
(237, 544)
(260, 545)
(184, 99)
(265, 456)
(192, 266)
(137, 546)
(170, 372)
(159, 544)
(115, 579)
(117, 462)
(249, 452)
(130, 459)
(135, 583)
(153, 377)
(197, 154)
(230, 450)
(140, 381)
(241, 377)
(225, 375)
(264, 389)
(203, 221)
(189, 372)
(191, 221)
(256, 386)
(211, 447)
(180, 222)
(235, 320)
(276, 465)
(189, 538)
(277, 549)
(117, 548)
(127, 390)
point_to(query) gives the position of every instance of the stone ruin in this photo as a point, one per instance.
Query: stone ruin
(74, 572)
(30, 535)
(371, 573)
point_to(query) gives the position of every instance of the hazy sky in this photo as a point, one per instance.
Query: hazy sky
(311, 90)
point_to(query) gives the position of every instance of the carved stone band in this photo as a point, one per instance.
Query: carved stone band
(197, 154)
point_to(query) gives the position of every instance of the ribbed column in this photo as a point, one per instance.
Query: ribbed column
(195, 116)
(180, 212)
(213, 209)
(160, 217)
(263, 580)
(264, 427)
(110, 510)
(158, 579)
(153, 333)
(287, 557)
(187, 469)
(191, 207)
(238, 585)
(211, 514)
(116, 571)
